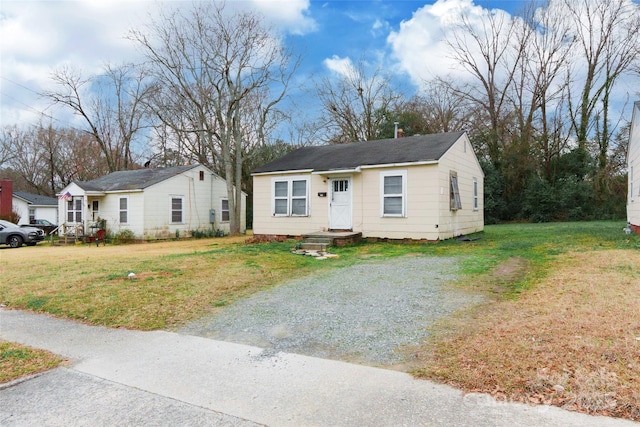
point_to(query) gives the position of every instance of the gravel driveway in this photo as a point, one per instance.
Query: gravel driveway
(363, 313)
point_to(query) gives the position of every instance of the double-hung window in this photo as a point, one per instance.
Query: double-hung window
(224, 210)
(74, 209)
(475, 194)
(176, 209)
(454, 192)
(124, 210)
(290, 196)
(393, 192)
(299, 197)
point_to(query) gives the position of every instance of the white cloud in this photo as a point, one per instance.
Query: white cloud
(38, 36)
(84, 32)
(341, 66)
(419, 44)
(379, 28)
(289, 15)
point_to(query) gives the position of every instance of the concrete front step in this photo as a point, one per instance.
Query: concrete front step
(310, 246)
(335, 238)
(319, 240)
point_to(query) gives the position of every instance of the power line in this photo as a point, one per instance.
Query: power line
(36, 111)
(30, 108)
(19, 84)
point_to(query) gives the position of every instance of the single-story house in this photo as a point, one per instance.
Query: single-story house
(633, 169)
(35, 206)
(153, 203)
(424, 187)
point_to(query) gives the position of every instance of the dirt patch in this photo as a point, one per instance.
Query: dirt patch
(507, 273)
(510, 270)
(503, 277)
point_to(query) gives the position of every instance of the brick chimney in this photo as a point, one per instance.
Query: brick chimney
(6, 197)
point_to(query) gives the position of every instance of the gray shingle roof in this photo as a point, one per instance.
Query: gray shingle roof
(411, 149)
(132, 180)
(36, 199)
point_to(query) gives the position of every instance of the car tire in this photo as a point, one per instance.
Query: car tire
(15, 241)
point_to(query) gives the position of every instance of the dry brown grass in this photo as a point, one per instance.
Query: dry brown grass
(174, 281)
(573, 340)
(18, 360)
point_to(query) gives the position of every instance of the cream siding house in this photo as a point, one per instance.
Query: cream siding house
(420, 187)
(152, 203)
(35, 206)
(633, 170)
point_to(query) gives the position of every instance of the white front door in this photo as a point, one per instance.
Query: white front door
(340, 204)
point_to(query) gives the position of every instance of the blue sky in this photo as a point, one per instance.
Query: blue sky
(404, 37)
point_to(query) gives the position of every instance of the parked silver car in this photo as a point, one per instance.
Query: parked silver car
(14, 236)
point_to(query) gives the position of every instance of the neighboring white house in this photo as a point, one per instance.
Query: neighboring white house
(633, 169)
(419, 187)
(152, 203)
(34, 206)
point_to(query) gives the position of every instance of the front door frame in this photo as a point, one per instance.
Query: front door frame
(348, 203)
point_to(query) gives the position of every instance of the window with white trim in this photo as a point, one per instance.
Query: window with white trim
(475, 194)
(454, 192)
(32, 215)
(290, 196)
(224, 210)
(176, 209)
(74, 209)
(124, 210)
(299, 197)
(393, 189)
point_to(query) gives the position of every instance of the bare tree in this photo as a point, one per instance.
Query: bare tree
(6, 145)
(356, 104)
(28, 159)
(540, 90)
(111, 106)
(45, 158)
(606, 33)
(436, 109)
(78, 157)
(219, 78)
(490, 48)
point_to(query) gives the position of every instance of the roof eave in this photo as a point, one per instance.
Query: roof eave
(288, 172)
(339, 171)
(403, 164)
(22, 198)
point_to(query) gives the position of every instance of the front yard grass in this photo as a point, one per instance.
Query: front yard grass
(172, 282)
(561, 325)
(17, 361)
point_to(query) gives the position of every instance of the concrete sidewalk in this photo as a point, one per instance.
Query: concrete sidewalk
(121, 377)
